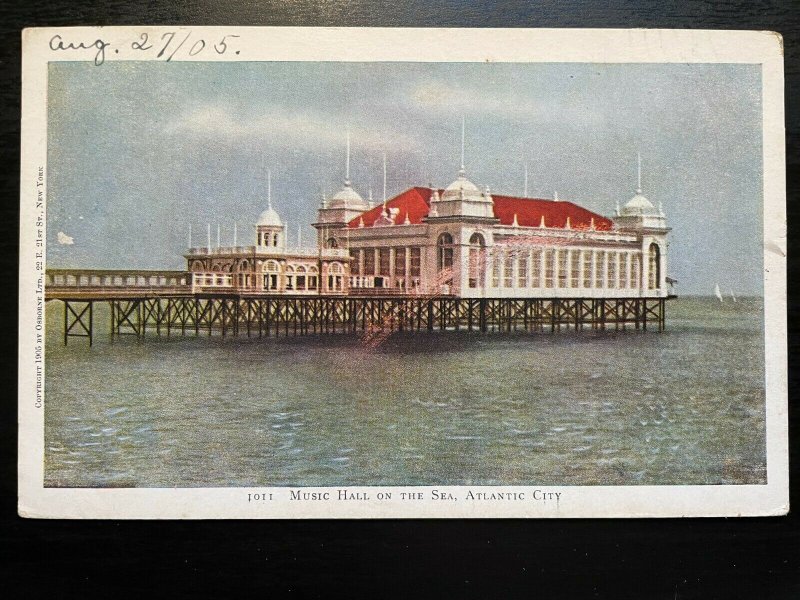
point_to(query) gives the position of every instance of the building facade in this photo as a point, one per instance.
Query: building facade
(269, 266)
(470, 243)
(458, 241)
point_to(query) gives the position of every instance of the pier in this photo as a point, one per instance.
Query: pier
(160, 303)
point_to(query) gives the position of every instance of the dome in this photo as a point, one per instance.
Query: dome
(269, 217)
(461, 184)
(638, 205)
(347, 197)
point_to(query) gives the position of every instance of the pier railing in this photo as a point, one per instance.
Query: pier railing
(100, 283)
(309, 251)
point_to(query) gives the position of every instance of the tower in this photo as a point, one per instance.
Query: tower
(638, 213)
(344, 206)
(639, 217)
(270, 231)
(462, 198)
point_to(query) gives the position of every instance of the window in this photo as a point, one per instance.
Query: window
(508, 270)
(587, 269)
(369, 261)
(623, 270)
(635, 270)
(313, 278)
(563, 267)
(400, 262)
(275, 239)
(415, 262)
(654, 267)
(300, 279)
(536, 264)
(549, 267)
(522, 269)
(598, 268)
(289, 278)
(355, 263)
(575, 268)
(477, 261)
(271, 270)
(444, 252)
(611, 270)
(332, 243)
(335, 276)
(497, 262)
(383, 261)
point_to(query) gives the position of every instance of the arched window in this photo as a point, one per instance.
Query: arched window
(271, 270)
(654, 267)
(313, 277)
(332, 243)
(275, 240)
(244, 266)
(477, 261)
(289, 277)
(300, 279)
(335, 278)
(444, 252)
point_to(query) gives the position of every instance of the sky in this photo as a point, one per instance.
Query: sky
(140, 151)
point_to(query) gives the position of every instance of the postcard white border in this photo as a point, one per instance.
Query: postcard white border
(440, 45)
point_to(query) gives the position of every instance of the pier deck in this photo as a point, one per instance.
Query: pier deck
(161, 303)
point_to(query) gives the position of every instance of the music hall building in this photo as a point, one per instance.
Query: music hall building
(460, 241)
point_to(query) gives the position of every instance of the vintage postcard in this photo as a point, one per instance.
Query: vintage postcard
(370, 273)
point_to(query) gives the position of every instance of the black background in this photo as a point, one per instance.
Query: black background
(668, 558)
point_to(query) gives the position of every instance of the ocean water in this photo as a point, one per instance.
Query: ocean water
(615, 408)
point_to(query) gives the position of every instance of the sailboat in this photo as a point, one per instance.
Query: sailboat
(717, 293)
(733, 296)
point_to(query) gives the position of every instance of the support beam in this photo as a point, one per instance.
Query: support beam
(379, 315)
(78, 319)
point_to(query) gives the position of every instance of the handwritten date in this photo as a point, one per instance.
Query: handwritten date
(166, 47)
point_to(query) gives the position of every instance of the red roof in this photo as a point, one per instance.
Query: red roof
(529, 213)
(415, 202)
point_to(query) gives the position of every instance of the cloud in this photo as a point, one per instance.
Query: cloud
(438, 96)
(64, 239)
(286, 129)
